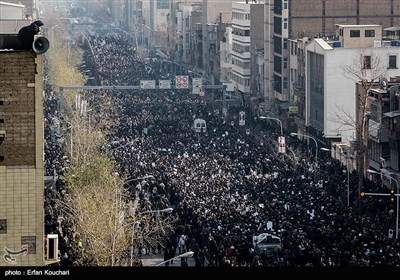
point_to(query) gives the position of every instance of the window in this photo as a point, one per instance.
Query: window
(285, 83)
(285, 63)
(285, 5)
(3, 224)
(285, 43)
(162, 4)
(367, 62)
(369, 33)
(51, 247)
(392, 61)
(285, 23)
(277, 25)
(354, 33)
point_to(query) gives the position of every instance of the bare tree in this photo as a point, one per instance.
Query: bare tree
(96, 206)
(365, 70)
(103, 218)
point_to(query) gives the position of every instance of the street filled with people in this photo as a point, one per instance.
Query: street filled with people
(225, 184)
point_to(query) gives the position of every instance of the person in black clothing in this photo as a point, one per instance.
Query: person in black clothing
(184, 262)
(27, 33)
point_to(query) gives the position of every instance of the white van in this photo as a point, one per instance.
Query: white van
(266, 243)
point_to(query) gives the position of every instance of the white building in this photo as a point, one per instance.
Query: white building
(330, 93)
(241, 55)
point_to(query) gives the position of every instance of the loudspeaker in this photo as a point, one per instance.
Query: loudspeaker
(40, 44)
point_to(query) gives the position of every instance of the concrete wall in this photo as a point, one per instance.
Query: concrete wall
(307, 16)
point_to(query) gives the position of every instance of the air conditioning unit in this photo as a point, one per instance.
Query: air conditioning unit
(51, 248)
(377, 44)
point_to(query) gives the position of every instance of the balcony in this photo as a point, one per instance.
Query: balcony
(378, 132)
(378, 95)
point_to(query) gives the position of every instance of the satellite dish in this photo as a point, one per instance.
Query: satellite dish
(383, 82)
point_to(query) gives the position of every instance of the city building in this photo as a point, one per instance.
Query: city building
(295, 116)
(245, 30)
(21, 148)
(222, 61)
(293, 19)
(384, 129)
(211, 12)
(332, 68)
(187, 16)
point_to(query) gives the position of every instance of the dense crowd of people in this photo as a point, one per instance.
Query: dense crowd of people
(227, 186)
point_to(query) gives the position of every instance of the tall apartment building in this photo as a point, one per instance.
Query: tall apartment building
(21, 149)
(293, 19)
(187, 16)
(211, 15)
(222, 59)
(241, 48)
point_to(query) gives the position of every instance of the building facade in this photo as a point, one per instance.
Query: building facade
(241, 41)
(21, 156)
(294, 19)
(332, 68)
(211, 15)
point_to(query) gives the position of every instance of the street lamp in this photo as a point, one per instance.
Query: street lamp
(118, 147)
(271, 118)
(316, 149)
(397, 197)
(188, 254)
(139, 178)
(196, 73)
(166, 210)
(281, 139)
(308, 136)
(348, 175)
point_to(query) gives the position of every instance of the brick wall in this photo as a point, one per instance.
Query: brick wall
(17, 114)
(21, 168)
